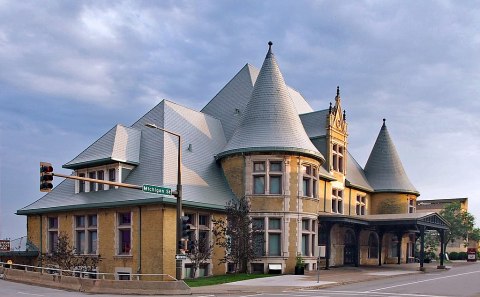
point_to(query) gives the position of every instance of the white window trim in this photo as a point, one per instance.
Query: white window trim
(51, 230)
(338, 156)
(251, 173)
(105, 169)
(362, 204)
(338, 200)
(87, 229)
(311, 232)
(312, 177)
(117, 234)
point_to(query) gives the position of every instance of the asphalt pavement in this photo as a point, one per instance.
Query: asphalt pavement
(323, 279)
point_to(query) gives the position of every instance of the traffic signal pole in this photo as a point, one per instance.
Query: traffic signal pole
(130, 186)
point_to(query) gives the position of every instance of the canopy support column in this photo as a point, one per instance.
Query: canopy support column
(442, 249)
(422, 247)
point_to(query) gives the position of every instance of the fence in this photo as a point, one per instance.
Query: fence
(91, 274)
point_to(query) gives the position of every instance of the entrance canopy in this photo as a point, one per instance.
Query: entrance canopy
(412, 222)
(387, 223)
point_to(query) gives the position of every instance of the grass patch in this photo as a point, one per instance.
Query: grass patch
(222, 279)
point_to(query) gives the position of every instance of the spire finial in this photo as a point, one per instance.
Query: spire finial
(384, 121)
(269, 48)
(330, 108)
(344, 115)
(338, 91)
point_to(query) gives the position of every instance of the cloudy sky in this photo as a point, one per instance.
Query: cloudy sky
(71, 70)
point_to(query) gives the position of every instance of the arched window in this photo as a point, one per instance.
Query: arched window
(372, 246)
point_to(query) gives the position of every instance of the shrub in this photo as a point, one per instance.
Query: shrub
(462, 256)
(453, 256)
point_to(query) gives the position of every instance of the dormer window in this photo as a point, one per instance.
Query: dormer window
(81, 183)
(338, 158)
(112, 177)
(111, 172)
(93, 186)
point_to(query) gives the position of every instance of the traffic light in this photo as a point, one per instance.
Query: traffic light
(46, 177)
(181, 245)
(185, 227)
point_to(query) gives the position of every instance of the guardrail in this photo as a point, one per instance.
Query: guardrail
(90, 274)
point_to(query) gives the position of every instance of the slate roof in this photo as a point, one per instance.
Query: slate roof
(384, 170)
(203, 181)
(270, 122)
(315, 123)
(255, 111)
(120, 144)
(229, 104)
(355, 176)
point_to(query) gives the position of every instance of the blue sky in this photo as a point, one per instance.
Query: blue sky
(71, 70)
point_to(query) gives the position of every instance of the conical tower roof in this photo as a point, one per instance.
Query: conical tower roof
(384, 170)
(270, 122)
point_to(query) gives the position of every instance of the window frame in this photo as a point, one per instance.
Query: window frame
(53, 233)
(266, 174)
(87, 229)
(337, 201)
(361, 205)
(338, 157)
(308, 240)
(121, 228)
(92, 186)
(412, 208)
(310, 180)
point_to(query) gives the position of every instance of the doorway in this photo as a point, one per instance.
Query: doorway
(349, 250)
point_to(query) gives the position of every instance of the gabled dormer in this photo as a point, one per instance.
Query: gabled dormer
(337, 138)
(112, 157)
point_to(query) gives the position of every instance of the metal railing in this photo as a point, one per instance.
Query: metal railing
(91, 274)
(20, 244)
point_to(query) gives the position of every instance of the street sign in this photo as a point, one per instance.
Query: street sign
(156, 190)
(181, 257)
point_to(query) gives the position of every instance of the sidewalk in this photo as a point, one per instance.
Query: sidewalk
(328, 278)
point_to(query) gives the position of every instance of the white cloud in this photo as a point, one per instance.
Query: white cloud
(103, 62)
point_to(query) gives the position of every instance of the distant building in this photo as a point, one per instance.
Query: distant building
(437, 205)
(257, 138)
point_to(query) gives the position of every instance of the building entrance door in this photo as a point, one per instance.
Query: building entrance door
(349, 248)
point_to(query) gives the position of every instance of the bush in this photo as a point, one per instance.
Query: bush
(453, 256)
(462, 256)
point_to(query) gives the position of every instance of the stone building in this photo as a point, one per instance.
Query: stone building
(257, 138)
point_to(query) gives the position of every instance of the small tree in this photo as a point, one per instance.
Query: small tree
(461, 222)
(432, 241)
(236, 235)
(199, 251)
(65, 258)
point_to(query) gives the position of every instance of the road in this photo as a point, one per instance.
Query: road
(463, 281)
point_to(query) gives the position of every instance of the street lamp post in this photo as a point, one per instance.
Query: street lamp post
(178, 194)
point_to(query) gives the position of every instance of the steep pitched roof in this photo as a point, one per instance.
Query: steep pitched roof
(314, 123)
(230, 103)
(203, 182)
(120, 144)
(355, 176)
(270, 121)
(384, 170)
